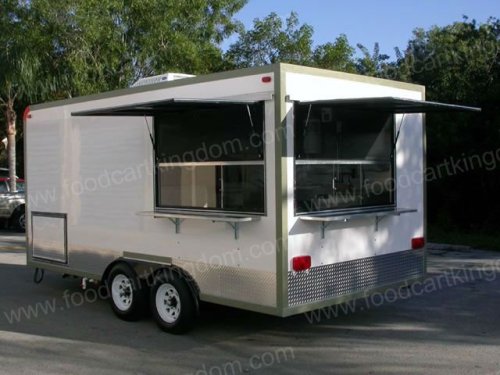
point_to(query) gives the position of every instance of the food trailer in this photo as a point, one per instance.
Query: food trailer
(278, 189)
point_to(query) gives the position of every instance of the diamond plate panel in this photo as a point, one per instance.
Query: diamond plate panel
(339, 279)
(234, 283)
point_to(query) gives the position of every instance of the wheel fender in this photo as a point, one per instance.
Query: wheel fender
(110, 267)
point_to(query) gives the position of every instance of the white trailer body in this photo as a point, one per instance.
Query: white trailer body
(290, 226)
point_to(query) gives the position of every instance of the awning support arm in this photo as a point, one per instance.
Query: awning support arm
(397, 135)
(307, 118)
(250, 117)
(152, 139)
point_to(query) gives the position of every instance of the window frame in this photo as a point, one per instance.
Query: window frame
(352, 209)
(210, 211)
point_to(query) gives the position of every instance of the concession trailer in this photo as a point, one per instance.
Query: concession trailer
(278, 189)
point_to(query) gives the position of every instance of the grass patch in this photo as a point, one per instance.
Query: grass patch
(486, 241)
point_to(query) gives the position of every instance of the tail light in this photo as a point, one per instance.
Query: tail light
(301, 263)
(417, 243)
(26, 113)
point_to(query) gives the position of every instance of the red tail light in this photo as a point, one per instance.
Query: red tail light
(301, 263)
(417, 243)
(26, 113)
(266, 79)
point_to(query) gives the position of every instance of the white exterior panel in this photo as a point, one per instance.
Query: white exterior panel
(358, 238)
(100, 172)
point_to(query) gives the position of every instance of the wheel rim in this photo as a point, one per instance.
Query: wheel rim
(22, 221)
(168, 303)
(122, 292)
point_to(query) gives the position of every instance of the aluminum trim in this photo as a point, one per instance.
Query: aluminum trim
(340, 162)
(347, 210)
(241, 305)
(53, 267)
(238, 73)
(391, 104)
(151, 108)
(242, 285)
(355, 276)
(205, 212)
(281, 188)
(208, 211)
(300, 309)
(26, 191)
(361, 215)
(275, 68)
(228, 219)
(147, 258)
(424, 162)
(210, 163)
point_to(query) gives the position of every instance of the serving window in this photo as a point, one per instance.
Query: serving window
(344, 158)
(211, 158)
(209, 153)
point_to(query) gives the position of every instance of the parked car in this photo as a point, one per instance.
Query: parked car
(12, 203)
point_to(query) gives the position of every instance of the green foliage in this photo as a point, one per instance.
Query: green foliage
(271, 41)
(338, 55)
(83, 47)
(25, 59)
(372, 64)
(460, 63)
(58, 49)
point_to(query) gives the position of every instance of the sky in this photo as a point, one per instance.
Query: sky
(389, 22)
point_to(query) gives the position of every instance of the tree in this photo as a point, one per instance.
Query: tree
(271, 41)
(460, 63)
(456, 60)
(7, 96)
(54, 50)
(179, 35)
(24, 73)
(107, 44)
(373, 64)
(335, 56)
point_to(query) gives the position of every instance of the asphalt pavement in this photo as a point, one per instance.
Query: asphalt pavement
(450, 324)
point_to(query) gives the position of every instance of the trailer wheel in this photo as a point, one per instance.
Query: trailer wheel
(127, 292)
(172, 303)
(18, 219)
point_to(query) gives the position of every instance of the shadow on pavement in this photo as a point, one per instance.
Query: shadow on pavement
(461, 315)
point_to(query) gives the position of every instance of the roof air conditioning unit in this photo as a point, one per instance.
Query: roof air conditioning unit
(160, 78)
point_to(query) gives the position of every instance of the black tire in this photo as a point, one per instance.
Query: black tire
(178, 310)
(18, 220)
(128, 294)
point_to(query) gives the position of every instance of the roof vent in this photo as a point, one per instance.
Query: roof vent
(160, 78)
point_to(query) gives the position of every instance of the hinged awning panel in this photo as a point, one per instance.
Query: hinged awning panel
(162, 106)
(392, 105)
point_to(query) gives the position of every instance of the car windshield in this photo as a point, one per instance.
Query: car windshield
(20, 186)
